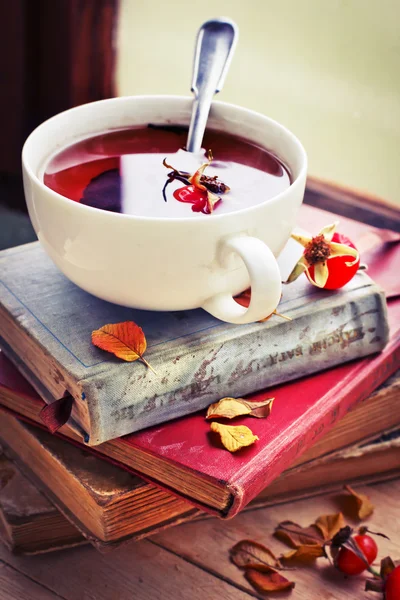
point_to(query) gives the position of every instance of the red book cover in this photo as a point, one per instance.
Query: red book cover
(185, 452)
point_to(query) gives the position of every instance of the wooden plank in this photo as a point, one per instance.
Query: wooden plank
(142, 571)
(15, 586)
(207, 543)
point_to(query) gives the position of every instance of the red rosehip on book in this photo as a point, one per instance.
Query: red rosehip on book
(330, 259)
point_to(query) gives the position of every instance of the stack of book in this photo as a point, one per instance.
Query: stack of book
(131, 451)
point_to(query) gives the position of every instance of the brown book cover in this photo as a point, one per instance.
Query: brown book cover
(31, 524)
(110, 505)
(106, 503)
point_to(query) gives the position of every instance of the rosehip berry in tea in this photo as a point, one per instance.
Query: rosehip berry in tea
(145, 171)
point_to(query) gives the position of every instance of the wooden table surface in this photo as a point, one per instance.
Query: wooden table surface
(191, 561)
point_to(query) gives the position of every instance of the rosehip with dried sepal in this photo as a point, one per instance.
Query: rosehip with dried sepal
(202, 191)
(350, 563)
(330, 259)
(353, 554)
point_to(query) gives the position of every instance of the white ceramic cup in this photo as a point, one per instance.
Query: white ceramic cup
(166, 263)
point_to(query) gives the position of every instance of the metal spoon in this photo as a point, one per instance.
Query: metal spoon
(215, 44)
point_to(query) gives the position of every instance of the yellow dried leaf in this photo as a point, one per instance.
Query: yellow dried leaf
(304, 553)
(234, 437)
(229, 408)
(365, 508)
(329, 525)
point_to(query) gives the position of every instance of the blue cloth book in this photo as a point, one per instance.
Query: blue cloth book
(46, 324)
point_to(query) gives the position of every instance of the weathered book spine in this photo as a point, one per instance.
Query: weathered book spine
(195, 376)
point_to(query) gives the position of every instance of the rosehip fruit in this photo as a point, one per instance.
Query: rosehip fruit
(392, 585)
(351, 564)
(339, 272)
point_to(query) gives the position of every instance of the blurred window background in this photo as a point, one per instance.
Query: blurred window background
(327, 69)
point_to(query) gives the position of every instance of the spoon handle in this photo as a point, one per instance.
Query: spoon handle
(215, 44)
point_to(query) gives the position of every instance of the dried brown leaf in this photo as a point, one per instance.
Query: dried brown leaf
(387, 566)
(229, 408)
(329, 525)
(268, 580)
(304, 553)
(262, 409)
(247, 553)
(295, 535)
(234, 437)
(364, 506)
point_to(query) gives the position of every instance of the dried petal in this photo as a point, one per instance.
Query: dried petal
(329, 230)
(304, 553)
(247, 553)
(196, 177)
(234, 437)
(343, 250)
(268, 580)
(212, 200)
(304, 240)
(364, 506)
(229, 408)
(295, 535)
(126, 340)
(329, 525)
(298, 269)
(321, 274)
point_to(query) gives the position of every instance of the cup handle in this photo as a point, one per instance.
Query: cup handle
(265, 281)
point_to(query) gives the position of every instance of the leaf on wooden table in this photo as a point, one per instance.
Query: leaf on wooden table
(268, 580)
(364, 506)
(329, 525)
(305, 553)
(247, 553)
(229, 408)
(126, 340)
(295, 535)
(234, 437)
